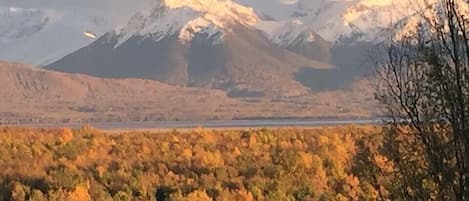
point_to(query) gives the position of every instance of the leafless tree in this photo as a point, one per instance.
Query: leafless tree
(425, 90)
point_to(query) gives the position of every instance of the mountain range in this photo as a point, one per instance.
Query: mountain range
(202, 43)
(28, 28)
(280, 53)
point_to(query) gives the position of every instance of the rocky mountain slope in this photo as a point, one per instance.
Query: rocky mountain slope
(203, 43)
(31, 94)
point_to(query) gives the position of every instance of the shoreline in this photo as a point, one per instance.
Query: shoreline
(112, 127)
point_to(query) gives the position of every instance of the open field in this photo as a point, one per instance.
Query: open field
(197, 165)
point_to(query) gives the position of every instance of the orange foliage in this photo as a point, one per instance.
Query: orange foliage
(80, 194)
(280, 164)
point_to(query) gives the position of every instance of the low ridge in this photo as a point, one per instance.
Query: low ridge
(33, 95)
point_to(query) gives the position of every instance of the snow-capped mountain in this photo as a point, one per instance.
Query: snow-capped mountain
(210, 18)
(334, 19)
(187, 18)
(39, 34)
(206, 43)
(244, 46)
(296, 37)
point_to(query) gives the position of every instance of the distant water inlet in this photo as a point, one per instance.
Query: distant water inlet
(241, 124)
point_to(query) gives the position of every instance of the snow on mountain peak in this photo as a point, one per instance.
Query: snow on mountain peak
(156, 24)
(287, 32)
(333, 19)
(218, 12)
(188, 18)
(200, 26)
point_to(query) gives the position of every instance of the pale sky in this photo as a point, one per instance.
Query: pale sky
(117, 9)
(115, 4)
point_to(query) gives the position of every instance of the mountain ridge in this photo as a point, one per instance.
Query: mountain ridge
(331, 20)
(34, 95)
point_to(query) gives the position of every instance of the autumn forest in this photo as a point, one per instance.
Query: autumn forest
(332, 163)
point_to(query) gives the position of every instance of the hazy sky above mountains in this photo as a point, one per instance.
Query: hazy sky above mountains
(118, 4)
(61, 4)
(111, 8)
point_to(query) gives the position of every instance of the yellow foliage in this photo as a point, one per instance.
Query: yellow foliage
(146, 149)
(285, 145)
(297, 144)
(175, 139)
(101, 170)
(341, 197)
(208, 138)
(245, 195)
(353, 187)
(165, 146)
(252, 140)
(210, 159)
(236, 151)
(322, 139)
(80, 194)
(187, 154)
(65, 135)
(227, 165)
(320, 180)
(382, 162)
(17, 192)
(238, 195)
(198, 196)
(306, 159)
